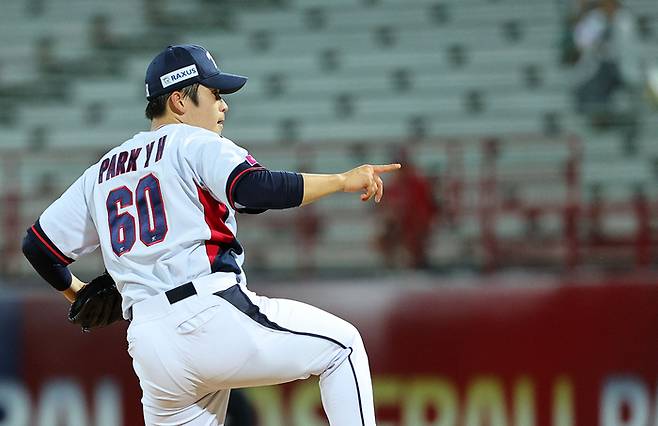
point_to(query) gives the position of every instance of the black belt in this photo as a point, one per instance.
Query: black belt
(181, 292)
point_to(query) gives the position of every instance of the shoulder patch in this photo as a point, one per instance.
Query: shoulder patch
(251, 160)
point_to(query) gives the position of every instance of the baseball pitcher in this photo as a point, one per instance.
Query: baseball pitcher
(162, 208)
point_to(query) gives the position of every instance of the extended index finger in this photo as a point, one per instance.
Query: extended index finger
(385, 168)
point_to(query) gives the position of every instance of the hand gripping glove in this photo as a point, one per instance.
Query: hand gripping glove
(97, 304)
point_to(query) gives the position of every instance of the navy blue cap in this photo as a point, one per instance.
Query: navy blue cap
(186, 64)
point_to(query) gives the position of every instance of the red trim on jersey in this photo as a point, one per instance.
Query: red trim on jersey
(53, 250)
(214, 212)
(236, 179)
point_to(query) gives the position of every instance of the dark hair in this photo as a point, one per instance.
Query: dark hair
(157, 106)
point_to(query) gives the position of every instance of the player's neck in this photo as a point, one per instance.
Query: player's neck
(160, 122)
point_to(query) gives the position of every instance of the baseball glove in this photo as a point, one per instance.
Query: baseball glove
(97, 304)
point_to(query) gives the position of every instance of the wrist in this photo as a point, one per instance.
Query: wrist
(341, 179)
(71, 292)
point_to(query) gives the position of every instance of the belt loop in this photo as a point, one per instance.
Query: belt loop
(181, 292)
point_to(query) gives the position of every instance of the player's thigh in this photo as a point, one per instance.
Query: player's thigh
(207, 411)
(244, 340)
(299, 317)
(292, 340)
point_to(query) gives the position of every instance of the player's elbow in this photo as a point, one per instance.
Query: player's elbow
(32, 251)
(54, 271)
(27, 246)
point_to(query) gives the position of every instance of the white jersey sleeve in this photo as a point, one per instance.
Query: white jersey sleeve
(218, 163)
(68, 224)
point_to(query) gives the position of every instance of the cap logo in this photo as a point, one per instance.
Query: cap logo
(179, 75)
(211, 59)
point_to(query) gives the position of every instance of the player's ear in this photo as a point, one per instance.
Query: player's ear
(176, 103)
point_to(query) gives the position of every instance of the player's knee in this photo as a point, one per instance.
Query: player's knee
(349, 342)
(351, 335)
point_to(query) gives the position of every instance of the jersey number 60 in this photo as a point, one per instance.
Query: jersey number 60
(150, 212)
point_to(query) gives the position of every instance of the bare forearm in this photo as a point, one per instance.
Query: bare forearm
(317, 186)
(365, 178)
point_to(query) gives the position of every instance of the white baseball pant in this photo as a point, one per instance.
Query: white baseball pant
(190, 353)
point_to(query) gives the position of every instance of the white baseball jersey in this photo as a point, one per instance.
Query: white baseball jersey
(159, 207)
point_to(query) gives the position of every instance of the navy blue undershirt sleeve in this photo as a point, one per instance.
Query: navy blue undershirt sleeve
(51, 269)
(262, 189)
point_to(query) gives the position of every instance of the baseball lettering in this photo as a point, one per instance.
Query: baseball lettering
(484, 400)
(161, 145)
(111, 170)
(62, 401)
(122, 225)
(104, 166)
(625, 400)
(151, 215)
(179, 75)
(132, 162)
(151, 210)
(149, 151)
(182, 74)
(126, 161)
(121, 162)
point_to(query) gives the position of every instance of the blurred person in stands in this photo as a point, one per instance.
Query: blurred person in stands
(409, 212)
(573, 11)
(607, 63)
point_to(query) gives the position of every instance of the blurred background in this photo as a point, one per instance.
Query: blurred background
(509, 275)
